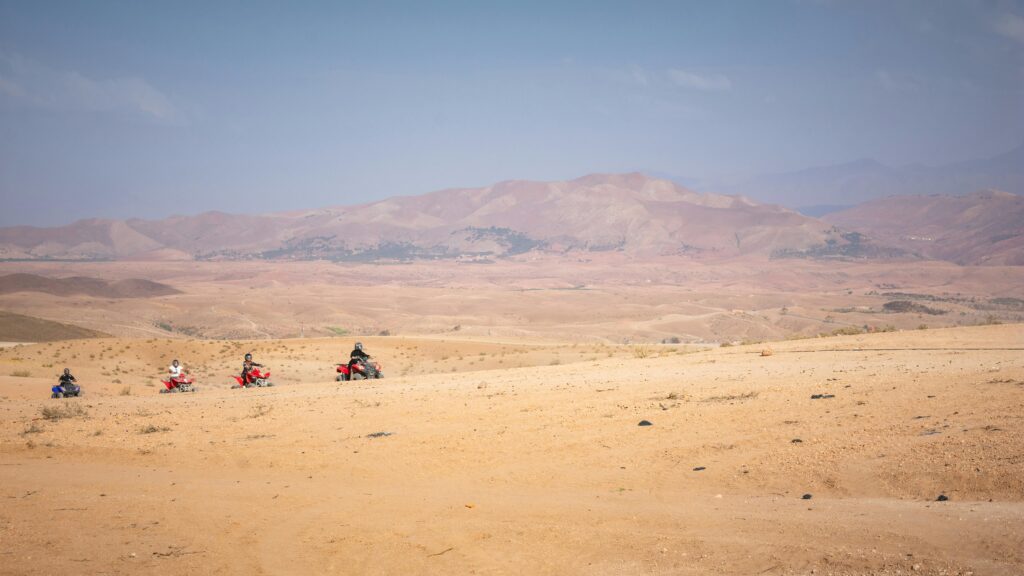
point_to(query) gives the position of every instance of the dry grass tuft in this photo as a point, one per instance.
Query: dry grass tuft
(641, 351)
(64, 410)
(731, 397)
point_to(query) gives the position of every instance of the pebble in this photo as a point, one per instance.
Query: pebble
(645, 423)
(806, 497)
(942, 498)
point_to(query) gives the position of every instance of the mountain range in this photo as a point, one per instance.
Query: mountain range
(629, 213)
(981, 228)
(819, 190)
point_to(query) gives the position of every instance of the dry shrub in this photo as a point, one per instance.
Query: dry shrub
(641, 351)
(21, 373)
(64, 410)
(766, 352)
(732, 397)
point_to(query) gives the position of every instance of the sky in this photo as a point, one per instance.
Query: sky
(148, 109)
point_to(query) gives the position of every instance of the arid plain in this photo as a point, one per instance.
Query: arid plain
(510, 408)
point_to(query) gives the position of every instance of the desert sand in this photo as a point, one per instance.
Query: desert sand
(527, 459)
(610, 299)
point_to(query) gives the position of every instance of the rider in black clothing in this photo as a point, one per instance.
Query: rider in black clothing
(67, 380)
(358, 356)
(247, 367)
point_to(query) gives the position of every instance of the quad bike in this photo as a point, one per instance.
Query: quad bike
(66, 391)
(172, 385)
(359, 370)
(254, 379)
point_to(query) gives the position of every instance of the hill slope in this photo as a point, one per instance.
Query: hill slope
(862, 180)
(980, 228)
(86, 286)
(19, 328)
(628, 212)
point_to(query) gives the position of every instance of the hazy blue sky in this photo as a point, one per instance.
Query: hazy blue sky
(153, 108)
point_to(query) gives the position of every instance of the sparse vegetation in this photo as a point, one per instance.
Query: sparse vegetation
(733, 397)
(152, 429)
(64, 410)
(641, 351)
(21, 374)
(908, 307)
(847, 331)
(259, 410)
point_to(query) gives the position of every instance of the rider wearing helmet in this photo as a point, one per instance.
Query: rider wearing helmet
(247, 366)
(358, 352)
(358, 356)
(67, 380)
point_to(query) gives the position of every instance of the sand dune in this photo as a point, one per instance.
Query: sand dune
(540, 469)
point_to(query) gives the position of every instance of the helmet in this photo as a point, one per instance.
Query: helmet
(248, 356)
(359, 345)
(67, 370)
(175, 362)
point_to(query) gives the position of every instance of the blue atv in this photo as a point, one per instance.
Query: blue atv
(66, 391)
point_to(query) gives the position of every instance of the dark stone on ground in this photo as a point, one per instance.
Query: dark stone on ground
(806, 497)
(645, 423)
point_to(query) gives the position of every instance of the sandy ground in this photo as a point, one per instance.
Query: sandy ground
(537, 469)
(605, 298)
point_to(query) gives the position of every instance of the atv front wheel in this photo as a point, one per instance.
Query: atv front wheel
(56, 395)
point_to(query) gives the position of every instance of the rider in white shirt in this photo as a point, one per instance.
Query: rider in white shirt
(177, 371)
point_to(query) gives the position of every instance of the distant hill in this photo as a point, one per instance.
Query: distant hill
(630, 213)
(81, 285)
(19, 328)
(862, 180)
(980, 228)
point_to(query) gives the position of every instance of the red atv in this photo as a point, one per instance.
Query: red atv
(254, 378)
(359, 369)
(183, 384)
